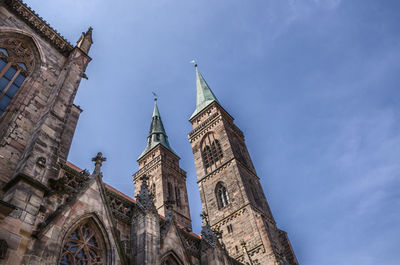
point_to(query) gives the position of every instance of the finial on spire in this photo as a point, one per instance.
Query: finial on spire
(194, 63)
(155, 96)
(98, 162)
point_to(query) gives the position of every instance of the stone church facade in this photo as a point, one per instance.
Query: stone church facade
(53, 212)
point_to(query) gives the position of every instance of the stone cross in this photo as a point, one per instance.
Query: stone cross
(98, 162)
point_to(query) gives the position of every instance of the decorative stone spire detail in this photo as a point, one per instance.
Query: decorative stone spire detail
(157, 134)
(204, 95)
(144, 199)
(207, 234)
(246, 252)
(85, 41)
(98, 162)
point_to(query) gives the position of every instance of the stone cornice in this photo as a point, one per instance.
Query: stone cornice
(230, 217)
(157, 161)
(203, 125)
(39, 25)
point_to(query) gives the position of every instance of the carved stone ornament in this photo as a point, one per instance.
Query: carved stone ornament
(144, 199)
(39, 25)
(18, 53)
(207, 234)
(41, 161)
(83, 246)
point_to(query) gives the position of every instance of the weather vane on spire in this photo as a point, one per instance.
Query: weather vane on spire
(155, 96)
(194, 62)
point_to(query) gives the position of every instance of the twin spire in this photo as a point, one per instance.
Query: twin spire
(157, 134)
(204, 95)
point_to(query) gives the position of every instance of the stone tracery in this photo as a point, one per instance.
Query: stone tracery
(83, 246)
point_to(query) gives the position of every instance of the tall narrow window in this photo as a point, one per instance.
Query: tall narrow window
(16, 60)
(178, 196)
(222, 195)
(83, 245)
(170, 196)
(211, 150)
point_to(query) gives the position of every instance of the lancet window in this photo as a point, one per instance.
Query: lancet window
(16, 62)
(211, 150)
(83, 245)
(222, 195)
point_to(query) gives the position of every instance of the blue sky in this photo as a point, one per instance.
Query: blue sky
(314, 85)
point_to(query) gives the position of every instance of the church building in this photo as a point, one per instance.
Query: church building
(53, 212)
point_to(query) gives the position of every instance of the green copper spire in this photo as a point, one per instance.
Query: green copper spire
(204, 95)
(157, 134)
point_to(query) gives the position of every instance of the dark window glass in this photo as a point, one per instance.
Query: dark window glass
(2, 63)
(3, 83)
(4, 101)
(222, 195)
(10, 73)
(12, 90)
(19, 80)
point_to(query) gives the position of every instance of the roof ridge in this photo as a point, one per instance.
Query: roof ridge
(38, 24)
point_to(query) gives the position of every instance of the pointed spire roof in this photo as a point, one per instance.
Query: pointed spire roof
(204, 95)
(157, 134)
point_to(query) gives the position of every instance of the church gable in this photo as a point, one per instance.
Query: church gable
(172, 245)
(88, 211)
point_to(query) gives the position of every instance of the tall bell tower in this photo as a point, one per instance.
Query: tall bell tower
(230, 189)
(167, 181)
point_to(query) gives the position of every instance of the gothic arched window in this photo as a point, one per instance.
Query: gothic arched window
(211, 150)
(222, 195)
(16, 62)
(84, 245)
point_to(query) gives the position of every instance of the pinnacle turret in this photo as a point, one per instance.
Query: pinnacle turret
(204, 95)
(85, 41)
(157, 134)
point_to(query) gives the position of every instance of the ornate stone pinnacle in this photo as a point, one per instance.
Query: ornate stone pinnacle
(144, 199)
(207, 234)
(144, 178)
(98, 162)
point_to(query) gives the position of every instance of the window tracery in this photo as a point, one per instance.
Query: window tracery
(211, 150)
(83, 246)
(16, 63)
(222, 195)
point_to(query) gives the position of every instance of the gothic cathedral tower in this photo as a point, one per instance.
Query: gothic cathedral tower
(230, 189)
(167, 181)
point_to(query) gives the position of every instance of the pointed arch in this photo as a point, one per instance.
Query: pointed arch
(171, 258)
(86, 242)
(211, 150)
(19, 60)
(221, 193)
